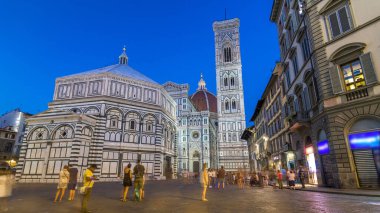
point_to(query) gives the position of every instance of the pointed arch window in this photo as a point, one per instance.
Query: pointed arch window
(132, 125)
(227, 105)
(232, 81)
(233, 105)
(227, 54)
(226, 82)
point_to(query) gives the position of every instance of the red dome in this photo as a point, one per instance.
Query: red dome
(204, 101)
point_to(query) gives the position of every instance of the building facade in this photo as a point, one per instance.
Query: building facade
(15, 121)
(329, 51)
(110, 117)
(7, 142)
(233, 151)
(197, 131)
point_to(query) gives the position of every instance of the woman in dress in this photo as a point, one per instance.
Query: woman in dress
(64, 177)
(127, 181)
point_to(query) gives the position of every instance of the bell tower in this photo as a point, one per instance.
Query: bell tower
(233, 152)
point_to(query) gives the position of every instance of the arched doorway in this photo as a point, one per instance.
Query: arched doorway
(364, 142)
(196, 157)
(324, 156)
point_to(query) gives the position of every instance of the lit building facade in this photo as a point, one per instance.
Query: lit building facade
(331, 78)
(110, 117)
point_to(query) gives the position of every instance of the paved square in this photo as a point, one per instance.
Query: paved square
(174, 196)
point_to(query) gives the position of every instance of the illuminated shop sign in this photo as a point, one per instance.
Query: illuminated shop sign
(309, 150)
(323, 147)
(365, 140)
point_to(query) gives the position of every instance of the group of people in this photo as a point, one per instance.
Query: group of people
(277, 178)
(216, 178)
(69, 175)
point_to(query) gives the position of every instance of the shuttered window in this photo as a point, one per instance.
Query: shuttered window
(339, 21)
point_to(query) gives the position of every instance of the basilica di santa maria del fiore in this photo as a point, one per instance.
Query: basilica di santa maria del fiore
(115, 115)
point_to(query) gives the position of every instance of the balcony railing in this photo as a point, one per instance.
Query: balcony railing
(298, 120)
(357, 94)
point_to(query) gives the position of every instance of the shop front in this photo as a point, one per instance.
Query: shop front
(364, 142)
(311, 166)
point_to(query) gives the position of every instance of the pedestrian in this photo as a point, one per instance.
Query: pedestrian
(138, 171)
(240, 179)
(6, 184)
(64, 176)
(301, 175)
(209, 173)
(279, 179)
(221, 177)
(204, 181)
(292, 179)
(287, 177)
(214, 178)
(88, 183)
(127, 181)
(73, 180)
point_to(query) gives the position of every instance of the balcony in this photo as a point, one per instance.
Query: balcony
(357, 94)
(298, 121)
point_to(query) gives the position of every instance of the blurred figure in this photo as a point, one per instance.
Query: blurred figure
(292, 180)
(138, 171)
(204, 181)
(279, 179)
(221, 177)
(88, 183)
(64, 177)
(127, 181)
(301, 175)
(6, 183)
(209, 174)
(72, 181)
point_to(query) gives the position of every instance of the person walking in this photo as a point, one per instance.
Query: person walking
(64, 176)
(138, 171)
(292, 179)
(204, 181)
(88, 183)
(127, 181)
(221, 177)
(301, 175)
(279, 179)
(287, 177)
(6, 184)
(73, 180)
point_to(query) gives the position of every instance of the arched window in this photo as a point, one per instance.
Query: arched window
(233, 104)
(227, 105)
(232, 82)
(227, 54)
(226, 82)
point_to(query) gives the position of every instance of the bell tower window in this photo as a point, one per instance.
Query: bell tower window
(227, 54)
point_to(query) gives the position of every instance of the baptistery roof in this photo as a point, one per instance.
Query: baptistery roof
(123, 70)
(202, 99)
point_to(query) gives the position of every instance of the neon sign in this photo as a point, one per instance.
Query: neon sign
(365, 140)
(323, 147)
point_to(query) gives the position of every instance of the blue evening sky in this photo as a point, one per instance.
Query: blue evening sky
(167, 40)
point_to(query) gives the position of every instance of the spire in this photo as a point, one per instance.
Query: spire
(123, 58)
(201, 84)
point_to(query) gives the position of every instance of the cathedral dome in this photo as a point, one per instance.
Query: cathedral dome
(204, 100)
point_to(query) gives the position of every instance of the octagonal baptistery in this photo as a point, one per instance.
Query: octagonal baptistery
(110, 117)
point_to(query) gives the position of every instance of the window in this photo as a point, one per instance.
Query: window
(232, 81)
(353, 75)
(227, 105)
(305, 47)
(132, 125)
(225, 82)
(287, 77)
(295, 64)
(149, 127)
(233, 104)
(339, 21)
(227, 54)
(205, 121)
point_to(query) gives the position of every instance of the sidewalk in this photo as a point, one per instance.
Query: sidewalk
(356, 192)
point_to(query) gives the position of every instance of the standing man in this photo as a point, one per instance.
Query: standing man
(279, 179)
(221, 177)
(139, 171)
(88, 182)
(72, 181)
(301, 175)
(204, 181)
